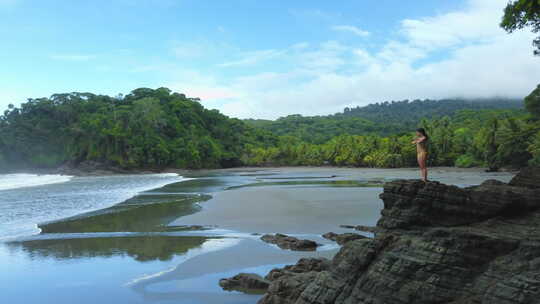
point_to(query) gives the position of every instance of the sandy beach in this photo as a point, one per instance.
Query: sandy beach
(146, 252)
(288, 209)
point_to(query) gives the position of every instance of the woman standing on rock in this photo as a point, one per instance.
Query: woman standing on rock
(421, 143)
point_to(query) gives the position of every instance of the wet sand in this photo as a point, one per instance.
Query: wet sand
(303, 200)
(288, 209)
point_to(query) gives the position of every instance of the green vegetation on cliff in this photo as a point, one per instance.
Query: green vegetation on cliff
(383, 119)
(146, 128)
(157, 128)
(492, 138)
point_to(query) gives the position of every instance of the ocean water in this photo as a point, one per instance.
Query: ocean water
(24, 180)
(29, 199)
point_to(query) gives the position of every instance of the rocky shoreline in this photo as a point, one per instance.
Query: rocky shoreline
(434, 243)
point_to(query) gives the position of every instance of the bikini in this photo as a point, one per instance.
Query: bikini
(421, 149)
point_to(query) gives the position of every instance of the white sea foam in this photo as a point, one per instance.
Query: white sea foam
(166, 174)
(21, 180)
(22, 206)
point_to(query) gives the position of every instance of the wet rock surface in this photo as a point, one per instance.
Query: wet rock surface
(528, 178)
(370, 229)
(434, 243)
(245, 282)
(302, 266)
(288, 242)
(343, 237)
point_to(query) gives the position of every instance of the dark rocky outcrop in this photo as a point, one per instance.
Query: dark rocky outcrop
(343, 237)
(288, 242)
(245, 282)
(527, 178)
(413, 203)
(362, 228)
(435, 244)
(302, 266)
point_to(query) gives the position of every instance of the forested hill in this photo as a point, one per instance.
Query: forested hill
(146, 128)
(381, 119)
(160, 129)
(410, 112)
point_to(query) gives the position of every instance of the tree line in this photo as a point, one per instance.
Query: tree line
(489, 138)
(385, 118)
(158, 128)
(144, 129)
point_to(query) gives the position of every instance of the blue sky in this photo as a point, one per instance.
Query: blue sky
(264, 59)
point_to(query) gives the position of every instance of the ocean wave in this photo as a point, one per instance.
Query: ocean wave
(166, 174)
(21, 208)
(23, 180)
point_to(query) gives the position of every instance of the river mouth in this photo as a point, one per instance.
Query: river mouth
(172, 244)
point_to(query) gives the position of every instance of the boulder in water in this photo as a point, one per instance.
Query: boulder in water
(288, 242)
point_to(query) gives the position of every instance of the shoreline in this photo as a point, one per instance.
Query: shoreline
(141, 171)
(256, 176)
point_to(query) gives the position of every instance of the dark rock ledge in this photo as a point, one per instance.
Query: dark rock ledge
(433, 244)
(245, 282)
(362, 228)
(343, 237)
(288, 242)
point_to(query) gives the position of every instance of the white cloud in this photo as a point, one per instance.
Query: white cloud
(351, 29)
(205, 86)
(327, 56)
(456, 54)
(477, 22)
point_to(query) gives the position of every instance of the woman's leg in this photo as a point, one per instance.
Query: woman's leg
(419, 159)
(424, 167)
(422, 164)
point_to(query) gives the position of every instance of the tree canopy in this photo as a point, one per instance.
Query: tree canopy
(150, 128)
(146, 128)
(383, 119)
(532, 102)
(519, 14)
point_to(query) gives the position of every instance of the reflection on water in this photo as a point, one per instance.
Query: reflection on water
(143, 213)
(140, 248)
(204, 184)
(92, 257)
(149, 211)
(203, 289)
(90, 270)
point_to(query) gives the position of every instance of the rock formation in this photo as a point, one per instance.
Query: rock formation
(303, 265)
(288, 242)
(363, 228)
(245, 282)
(343, 237)
(434, 244)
